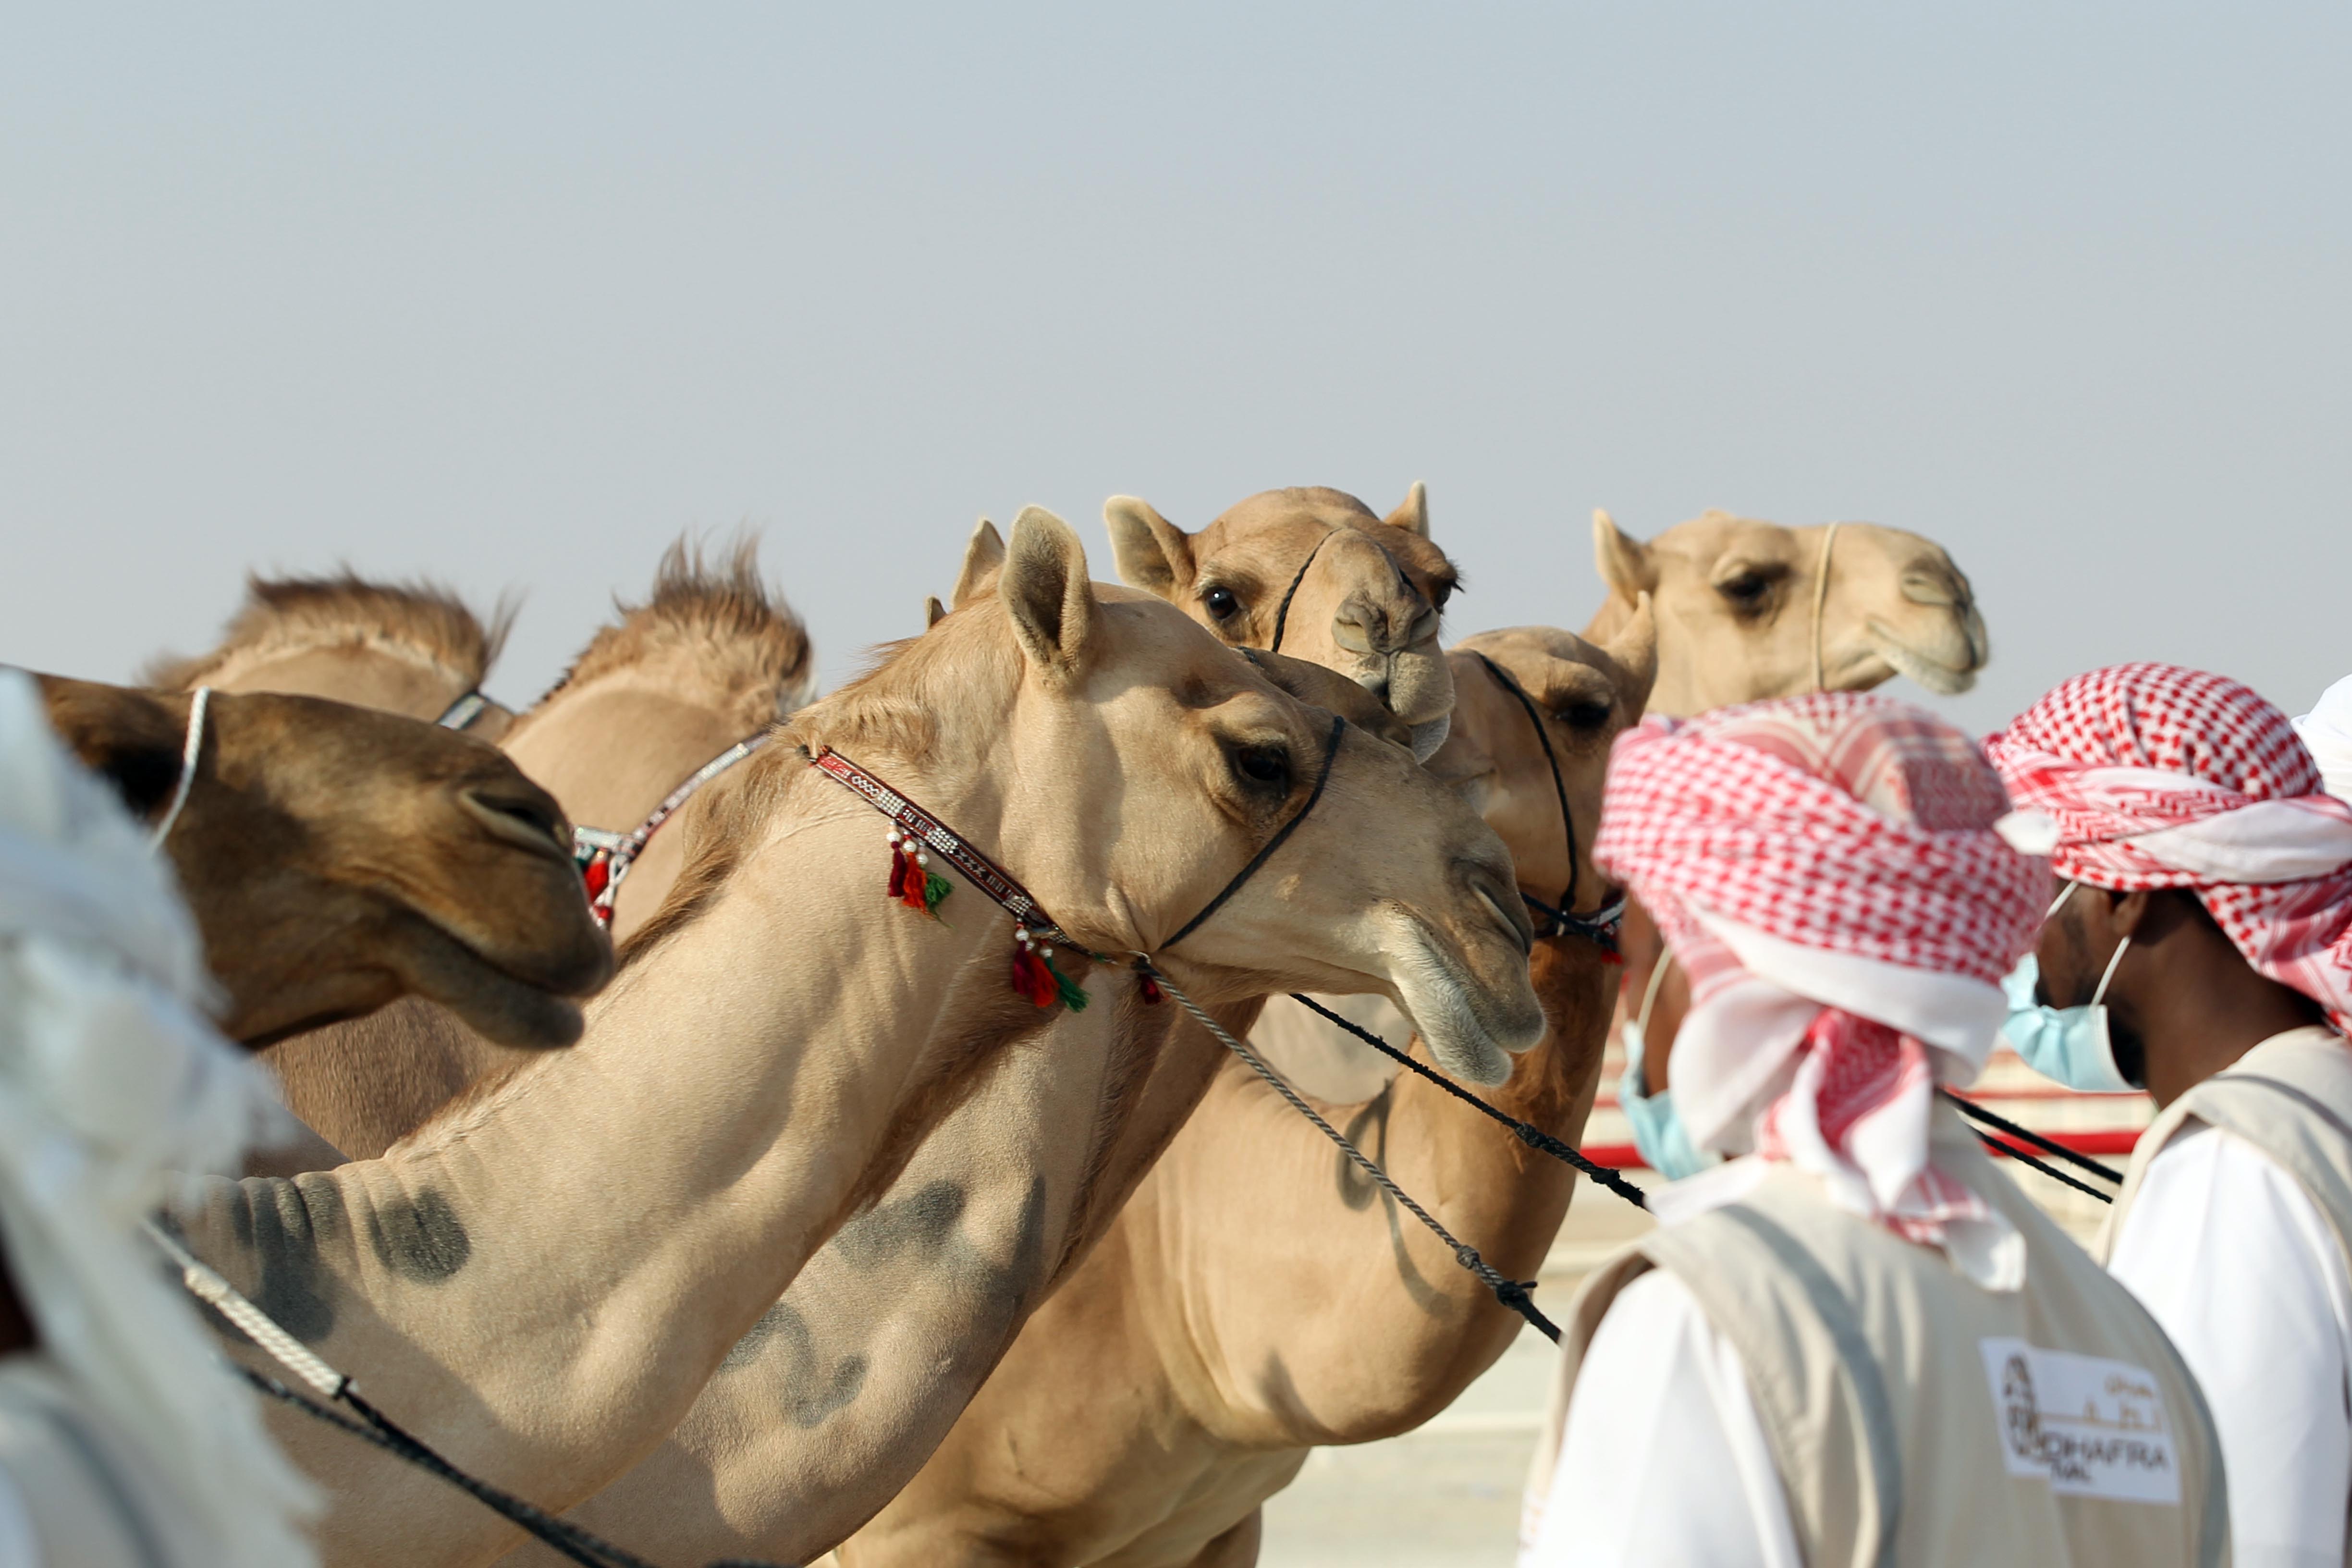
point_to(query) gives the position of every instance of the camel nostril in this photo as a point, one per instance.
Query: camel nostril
(1352, 634)
(519, 819)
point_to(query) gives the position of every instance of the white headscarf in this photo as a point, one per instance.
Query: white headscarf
(111, 1080)
(2326, 732)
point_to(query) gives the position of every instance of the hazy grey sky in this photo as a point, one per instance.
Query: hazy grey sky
(514, 294)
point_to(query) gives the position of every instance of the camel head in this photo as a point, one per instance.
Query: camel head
(1743, 612)
(1586, 695)
(336, 858)
(1363, 593)
(410, 648)
(1136, 765)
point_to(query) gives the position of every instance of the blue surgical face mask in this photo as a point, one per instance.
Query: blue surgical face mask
(2069, 1045)
(1658, 1133)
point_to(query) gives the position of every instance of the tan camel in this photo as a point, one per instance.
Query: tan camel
(849, 1383)
(543, 1279)
(1749, 609)
(335, 859)
(709, 658)
(1746, 611)
(1254, 1298)
(413, 649)
(1312, 572)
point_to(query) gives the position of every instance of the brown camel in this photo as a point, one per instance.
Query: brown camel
(336, 858)
(1314, 574)
(1255, 1297)
(543, 1279)
(709, 658)
(849, 1383)
(413, 650)
(1751, 610)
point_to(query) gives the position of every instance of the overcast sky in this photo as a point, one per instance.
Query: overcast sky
(513, 295)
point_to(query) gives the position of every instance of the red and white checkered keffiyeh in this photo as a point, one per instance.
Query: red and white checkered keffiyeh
(1826, 869)
(2158, 776)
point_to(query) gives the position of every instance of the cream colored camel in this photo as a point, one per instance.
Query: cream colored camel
(1254, 1299)
(336, 858)
(542, 1281)
(1311, 572)
(1745, 609)
(1745, 612)
(412, 650)
(710, 658)
(849, 1383)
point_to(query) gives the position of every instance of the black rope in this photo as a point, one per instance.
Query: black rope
(1970, 1109)
(2051, 1171)
(378, 1428)
(1534, 1137)
(1282, 615)
(1330, 753)
(1601, 927)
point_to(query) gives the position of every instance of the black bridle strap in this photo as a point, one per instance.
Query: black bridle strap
(1330, 753)
(1282, 612)
(1595, 926)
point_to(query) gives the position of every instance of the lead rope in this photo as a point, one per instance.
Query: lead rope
(207, 1286)
(190, 751)
(1598, 927)
(1511, 1293)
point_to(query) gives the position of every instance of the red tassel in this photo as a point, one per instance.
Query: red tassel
(898, 873)
(910, 887)
(1031, 980)
(1152, 995)
(597, 874)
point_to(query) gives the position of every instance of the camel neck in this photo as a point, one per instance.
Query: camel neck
(552, 1270)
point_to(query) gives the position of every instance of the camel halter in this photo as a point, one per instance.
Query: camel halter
(1601, 927)
(915, 833)
(605, 857)
(1821, 603)
(190, 751)
(1282, 611)
(461, 714)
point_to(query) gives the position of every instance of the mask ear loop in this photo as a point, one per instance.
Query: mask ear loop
(2099, 996)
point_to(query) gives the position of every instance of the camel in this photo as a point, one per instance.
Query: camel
(1745, 612)
(336, 858)
(1313, 572)
(709, 660)
(846, 1385)
(413, 650)
(554, 1268)
(1747, 609)
(1255, 1297)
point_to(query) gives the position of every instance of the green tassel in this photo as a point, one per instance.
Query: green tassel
(1073, 997)
(936, 889)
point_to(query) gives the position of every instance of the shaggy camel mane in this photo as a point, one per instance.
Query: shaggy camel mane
(419, 621)
(746, 635)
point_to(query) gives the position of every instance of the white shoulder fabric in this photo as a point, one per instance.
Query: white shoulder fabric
(2326, 732)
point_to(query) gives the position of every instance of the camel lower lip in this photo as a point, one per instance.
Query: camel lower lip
(1942, 678)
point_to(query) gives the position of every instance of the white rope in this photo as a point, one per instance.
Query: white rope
(208, 1286)
(1821, 603)
(188, 756)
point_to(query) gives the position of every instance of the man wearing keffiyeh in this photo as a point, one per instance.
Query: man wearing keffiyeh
(2208, 883)
(1855, 1342)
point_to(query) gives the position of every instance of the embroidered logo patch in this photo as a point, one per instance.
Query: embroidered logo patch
(2089, 1426)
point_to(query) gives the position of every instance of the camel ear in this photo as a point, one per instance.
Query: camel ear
(984, 558)
(1045, 593)
(1152, 554)
(933, 611)
(1634, 651)
(1624, 562)
(1413, 512)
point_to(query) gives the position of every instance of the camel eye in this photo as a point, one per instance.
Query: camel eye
(1745, 589)
(1220, 603)
(1264, 765)
(1584, 715)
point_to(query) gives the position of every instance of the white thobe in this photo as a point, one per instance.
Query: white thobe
(1662, 1459)
(2235, 1261)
